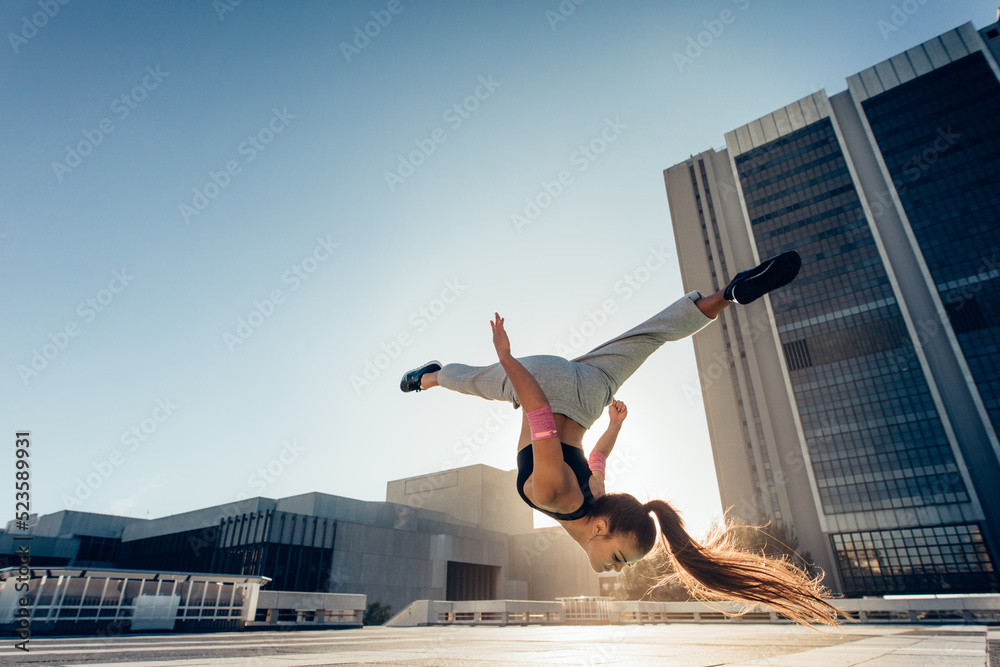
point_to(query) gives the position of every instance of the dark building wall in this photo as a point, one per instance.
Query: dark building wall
(843, 334)
(759, 458)
(939, 136)
(45, 551)
(888, 336)
(930, 326)
(782, 495)
(875, 437)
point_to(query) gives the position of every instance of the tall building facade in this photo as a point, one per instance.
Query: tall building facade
(860, 405)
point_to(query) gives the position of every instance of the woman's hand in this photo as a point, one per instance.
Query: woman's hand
(617, 411)
(500, 340)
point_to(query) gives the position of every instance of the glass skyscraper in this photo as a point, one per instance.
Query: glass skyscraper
(949, 192)
(863, 400)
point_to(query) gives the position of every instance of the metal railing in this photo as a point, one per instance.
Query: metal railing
(982, 609)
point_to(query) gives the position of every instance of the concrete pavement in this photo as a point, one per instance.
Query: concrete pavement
(683, 645)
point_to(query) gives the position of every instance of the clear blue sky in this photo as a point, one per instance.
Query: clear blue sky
(133, 285)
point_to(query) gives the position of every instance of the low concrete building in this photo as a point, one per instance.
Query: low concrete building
(457, 535)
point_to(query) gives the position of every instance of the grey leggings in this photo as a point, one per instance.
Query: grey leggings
(583, 387)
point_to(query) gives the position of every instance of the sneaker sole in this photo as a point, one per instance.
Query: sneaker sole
(789, 262)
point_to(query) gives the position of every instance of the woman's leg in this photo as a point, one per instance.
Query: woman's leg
(713, 305)
(620, 357)
(562, 381)
(580, 389)
(489, 382)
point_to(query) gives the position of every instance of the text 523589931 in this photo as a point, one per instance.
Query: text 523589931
(22, 509)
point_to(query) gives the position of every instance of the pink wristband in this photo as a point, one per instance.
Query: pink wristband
(597, 461)
(542, 424)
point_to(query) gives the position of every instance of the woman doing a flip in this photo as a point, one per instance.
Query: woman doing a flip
(561, 399)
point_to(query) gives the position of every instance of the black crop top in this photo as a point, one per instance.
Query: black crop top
(573, 456)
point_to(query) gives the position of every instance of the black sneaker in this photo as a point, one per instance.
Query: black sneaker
(748, 286)
(411, 381)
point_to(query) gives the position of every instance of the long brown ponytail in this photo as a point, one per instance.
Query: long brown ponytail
(716, 570)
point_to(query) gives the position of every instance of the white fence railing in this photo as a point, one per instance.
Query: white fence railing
(479, 612)
(587, 609)
(984, 609)
(288, 608)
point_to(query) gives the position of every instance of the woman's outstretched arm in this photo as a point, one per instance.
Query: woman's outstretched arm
(529, 392)
(617, 412)
(551, 482)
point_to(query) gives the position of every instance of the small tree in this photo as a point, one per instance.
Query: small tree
(377, 613)
(641, 581)
(773, 539)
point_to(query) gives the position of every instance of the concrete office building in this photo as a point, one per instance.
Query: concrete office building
(860, 405)
(461, 534)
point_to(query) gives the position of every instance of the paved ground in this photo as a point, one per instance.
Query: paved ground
(680, 644)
